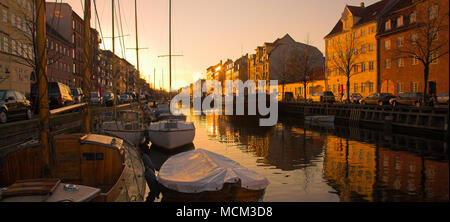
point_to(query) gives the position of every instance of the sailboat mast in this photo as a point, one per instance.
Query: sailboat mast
(113, 60)
(87, 68)
(170, 46)
(42, 80)
(137, 54)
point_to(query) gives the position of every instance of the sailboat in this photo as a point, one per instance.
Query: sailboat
(171, 131)
(78, 167)
(127, 124)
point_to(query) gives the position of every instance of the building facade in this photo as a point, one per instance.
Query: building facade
(70, 26)
(16, 45)
(59, 58)
(357, 30)
(401, 71)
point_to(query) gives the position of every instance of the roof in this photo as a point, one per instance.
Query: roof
(367, 14)
(400, 8)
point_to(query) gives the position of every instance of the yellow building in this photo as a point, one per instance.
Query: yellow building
(297, 89)
(358, 27)
(16, 47)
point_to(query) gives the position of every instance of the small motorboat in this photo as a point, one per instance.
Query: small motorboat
(171, 133)
(128, 126)
(204, 176)
(320, 119)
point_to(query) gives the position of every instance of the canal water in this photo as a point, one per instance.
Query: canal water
(327, 163)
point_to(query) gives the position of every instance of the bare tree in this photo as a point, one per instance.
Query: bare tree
(300, 66)
(344, 58)
(24, 45)
(428, 43)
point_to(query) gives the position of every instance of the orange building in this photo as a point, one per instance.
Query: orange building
(401, 26)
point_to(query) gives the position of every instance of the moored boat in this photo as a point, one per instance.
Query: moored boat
(171, 134)
(128, 126)
(108, 164)
(320, 119)
(204, 176)
(47, 190)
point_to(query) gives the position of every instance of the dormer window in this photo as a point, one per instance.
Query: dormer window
(347, 24)
(400, 21)
(433, 12)
(412, 18)
(388, 25)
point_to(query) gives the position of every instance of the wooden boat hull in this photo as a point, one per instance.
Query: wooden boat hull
(229, 193)
(171, 139)
(118, 173)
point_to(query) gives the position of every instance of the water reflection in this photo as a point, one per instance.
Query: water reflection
(306, 163)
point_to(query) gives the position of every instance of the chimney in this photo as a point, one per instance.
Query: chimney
(362, 4)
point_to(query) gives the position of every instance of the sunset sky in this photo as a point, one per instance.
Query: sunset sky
(207, 31)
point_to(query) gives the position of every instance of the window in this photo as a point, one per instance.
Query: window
(433, 11)
(5, 15)
(370, 87)
(371, 67)
(387, 44)
(412, 18)
(363, 87)
(363, 49)
(414, 87)
(356, 68)
(400, 62)
(433, 33)
(355, 88)
(400, 41)
(387, 26)
(433, 58)
(370, 47)
(387, 64)
(414, 60)
(13, 47)
(400, 21)
(413, 39)
(399, 87)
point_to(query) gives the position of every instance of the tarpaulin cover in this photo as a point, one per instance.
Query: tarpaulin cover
(201, 170)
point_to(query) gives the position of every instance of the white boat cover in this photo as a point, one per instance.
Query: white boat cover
(201, 170)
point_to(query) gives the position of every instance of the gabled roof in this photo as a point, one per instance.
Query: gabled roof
(366, 14)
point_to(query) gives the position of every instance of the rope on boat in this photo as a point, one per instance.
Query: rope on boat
(150, 177)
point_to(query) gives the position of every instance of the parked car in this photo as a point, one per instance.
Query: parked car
(288, 97)
(377, 99)
(59, 95)
(125, 98)
(354, 98)
(408, 98)
(96, 99)
(322, 97)
(108, 98)
(441, 98)
(77, 94)
(14, 104)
